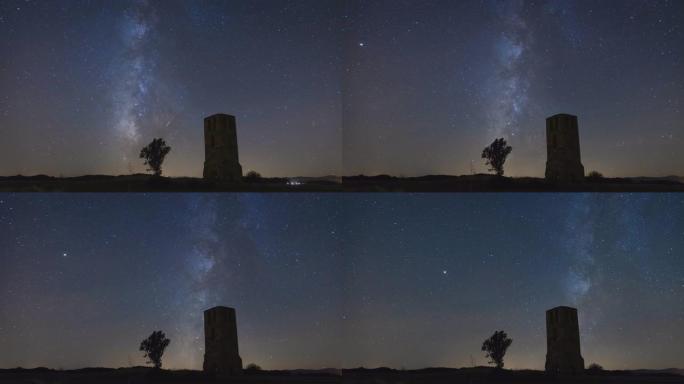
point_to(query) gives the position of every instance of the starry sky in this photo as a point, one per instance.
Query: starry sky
(340, 86)
(334, 280)
(87, 83)
(429, 84)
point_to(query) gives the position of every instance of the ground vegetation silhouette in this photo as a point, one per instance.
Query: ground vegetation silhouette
(595, 175)
(253, 175)
(251, 367)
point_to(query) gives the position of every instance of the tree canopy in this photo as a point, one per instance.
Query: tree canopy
(496, 347)
(495, 155)
(154, 347)
(154, 154)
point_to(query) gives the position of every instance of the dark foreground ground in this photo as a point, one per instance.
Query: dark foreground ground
(480, 375)
(147, 183)
(361, 376)
(137, 375)
(491, 183)
(382, 183)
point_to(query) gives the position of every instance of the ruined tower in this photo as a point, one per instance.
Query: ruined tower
(220, 342)
(563, 162)
(562, 341)
(220, 148)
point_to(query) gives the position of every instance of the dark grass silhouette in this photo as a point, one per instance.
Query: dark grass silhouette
(475, 375)
(360, 183)
(136, 375)
(492, 183)
(253, 176)
(149, 183)
(251, 367)
(494, 375)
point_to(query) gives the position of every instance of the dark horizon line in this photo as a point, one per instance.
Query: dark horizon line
(375, 175)
(337, 369)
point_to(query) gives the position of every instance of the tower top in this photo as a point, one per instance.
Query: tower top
(562, 308)
(219, 308)
(561, 115)
(215, 115)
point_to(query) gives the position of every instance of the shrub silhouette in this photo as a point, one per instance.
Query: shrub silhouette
(154, 154)
(253, 175)
(496, 347)
(595, 175)
(495, 155)
(251, 367)
(595, 368)
(154, 347)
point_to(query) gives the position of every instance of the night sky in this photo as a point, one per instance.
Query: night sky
(332, 280)
(431, 83)
(328, 87)
(86, 84)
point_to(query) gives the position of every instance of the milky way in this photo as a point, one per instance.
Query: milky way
(135, 74)
(145, 104)
(507, 89)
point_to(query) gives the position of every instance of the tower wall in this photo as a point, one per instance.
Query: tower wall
(220, 149)
(221, 356)
(563, 162)
(562, 341)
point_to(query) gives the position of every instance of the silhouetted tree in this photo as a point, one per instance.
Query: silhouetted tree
(154, 154)
(496, 154)
(253, 175)
(154, 347)
(595, 368)
(496, 347)
(252, 367)
(595, 175)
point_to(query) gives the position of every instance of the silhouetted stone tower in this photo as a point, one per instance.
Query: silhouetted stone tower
(220, 148)
(562, 341)
(562, 149)
(221, 355)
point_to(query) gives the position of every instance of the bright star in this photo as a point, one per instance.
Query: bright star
(362, 44)
(444, 272)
